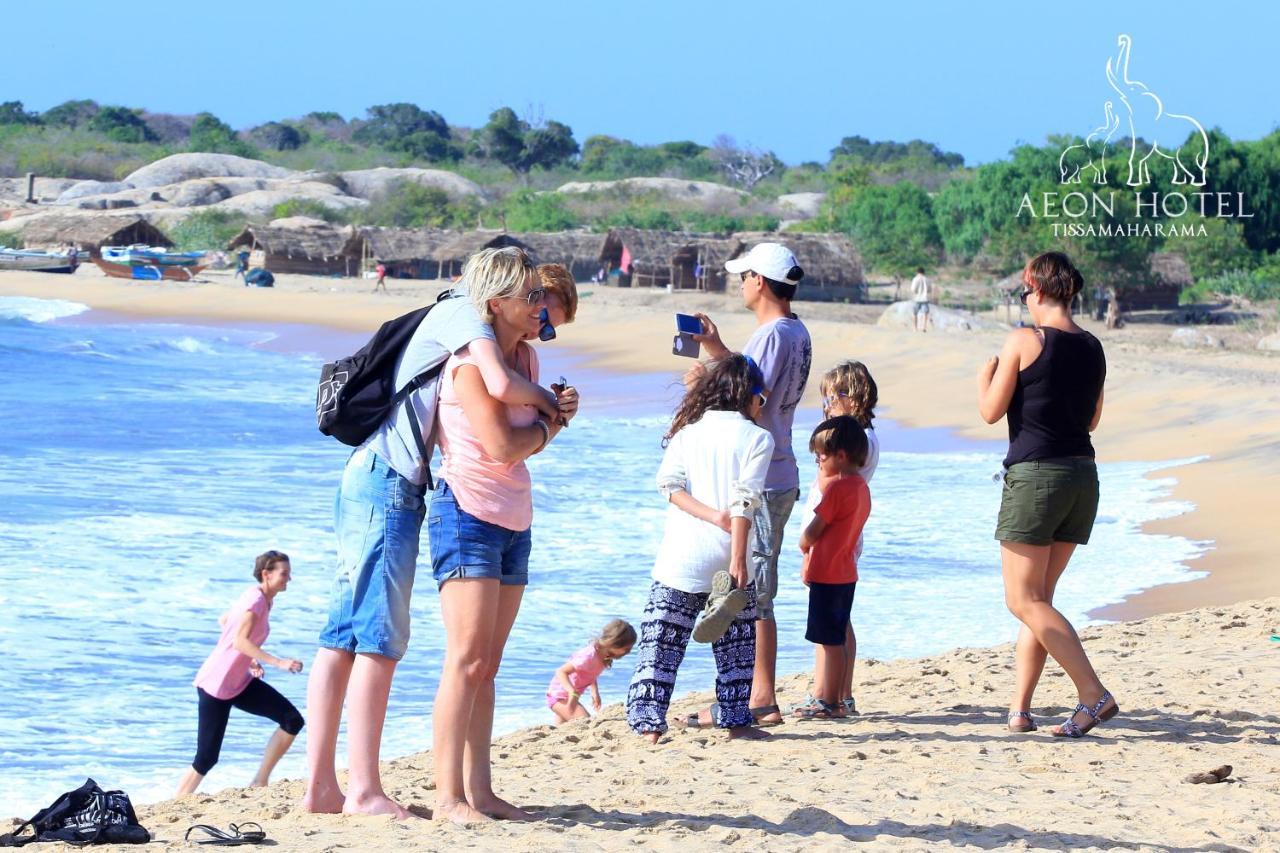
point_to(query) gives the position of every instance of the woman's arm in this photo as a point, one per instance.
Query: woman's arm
(245, 646)
(505, 384)
(699, 510)
(739, 532)
(1097, 412)
(488, 418)
(998, 377)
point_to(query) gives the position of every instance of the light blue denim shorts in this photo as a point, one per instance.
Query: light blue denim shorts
(767, 524)
(463, 546)
(378, 516)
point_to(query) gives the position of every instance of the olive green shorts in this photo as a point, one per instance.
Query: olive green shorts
(1051, 500)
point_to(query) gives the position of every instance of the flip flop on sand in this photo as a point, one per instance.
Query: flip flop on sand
(239, 834)
(723, 606)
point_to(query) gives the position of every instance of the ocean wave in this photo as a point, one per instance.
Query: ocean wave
(27, 309)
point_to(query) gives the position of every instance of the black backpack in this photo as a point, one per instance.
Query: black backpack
(87, 815)
(357, 393)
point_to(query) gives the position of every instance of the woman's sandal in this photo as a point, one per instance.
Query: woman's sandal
(850, 706)
(1096, 715)
(820, 711)
(1023, 728)
(758, 715)
(239, 834)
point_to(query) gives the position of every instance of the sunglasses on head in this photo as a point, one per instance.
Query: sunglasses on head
(546, 332)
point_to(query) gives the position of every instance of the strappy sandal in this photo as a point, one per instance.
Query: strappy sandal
(1096, 715)
(723, 606)
(1029, 726)
(820, 711)
(239, 834)
(850, 706)
(758, 715)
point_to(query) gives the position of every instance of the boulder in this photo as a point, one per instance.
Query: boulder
(1271, 343)
(177, 168)
(370, 183)
(801, 205)
(1188, 337)
(262, 203)
(899, 315)
(705, 192)
(83, 189)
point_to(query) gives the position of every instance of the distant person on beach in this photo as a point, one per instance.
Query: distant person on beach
(830, 544)
(1047, 383)
(479, 528)
(847, 389)
(582, 670)
(713, 477)
(378, 520)
(381, 271)
(921, 290)
(232, 677)
(769, 275)
(242, 267)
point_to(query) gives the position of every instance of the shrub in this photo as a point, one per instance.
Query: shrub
(10, 240)
(1256, 285)
(205, 230)
(307, 207)
(527, 210)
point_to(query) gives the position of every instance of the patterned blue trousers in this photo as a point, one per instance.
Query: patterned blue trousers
(664, 635)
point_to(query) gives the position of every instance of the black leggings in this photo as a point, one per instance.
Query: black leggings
(259, 698)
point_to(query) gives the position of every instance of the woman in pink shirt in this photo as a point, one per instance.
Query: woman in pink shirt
(231, 677)
(479, 529)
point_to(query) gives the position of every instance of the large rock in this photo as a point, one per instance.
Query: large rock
(1195, 338)
(899, 315)
(1270, 343)
(84, 189)
(262, 203)
(370, 183)
(177, 168)
(801, 205)
(704, 192)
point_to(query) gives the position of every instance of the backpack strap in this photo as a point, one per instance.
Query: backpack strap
(402, 396)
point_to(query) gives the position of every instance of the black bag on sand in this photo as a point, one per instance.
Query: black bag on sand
(87, 815)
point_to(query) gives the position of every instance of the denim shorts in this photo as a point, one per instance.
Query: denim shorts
(463, 546)
(378, 517)
(767, 524)
(1052, 500)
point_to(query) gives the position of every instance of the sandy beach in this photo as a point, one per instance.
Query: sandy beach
(928, 763)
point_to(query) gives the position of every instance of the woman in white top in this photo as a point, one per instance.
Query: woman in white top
(713, 476)
(848, 389)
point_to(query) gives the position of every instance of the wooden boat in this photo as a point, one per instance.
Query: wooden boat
(148, 272)
(150, 256)
(25, 259)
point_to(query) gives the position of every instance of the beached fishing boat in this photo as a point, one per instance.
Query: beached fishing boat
(149, 272)
(26, 259)
(150, 256)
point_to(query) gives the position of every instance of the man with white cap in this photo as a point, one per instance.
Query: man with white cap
(781, 346)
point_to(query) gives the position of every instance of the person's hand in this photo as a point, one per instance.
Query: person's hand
(567, 399)
(722, 520)
(987, 371)
(572, 702)
(256, 670)
(693, 374)
(595, 701)
(710, 338)
(290, 665)
(739, 575)
(550, 407)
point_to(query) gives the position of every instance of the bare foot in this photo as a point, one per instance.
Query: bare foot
(459, 812)
(323, 800)
(652, 737)
(499, 809)
(379, 804)
(747, 733)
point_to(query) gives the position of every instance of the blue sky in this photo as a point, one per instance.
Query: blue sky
(793, 77)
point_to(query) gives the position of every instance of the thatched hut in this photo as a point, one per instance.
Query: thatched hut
(642, 258)
(91, 233)
(577, 250)
(699, 264)
(830, 261)
(453, 253)
(303, 246)
(406, 252)
(1169, 275)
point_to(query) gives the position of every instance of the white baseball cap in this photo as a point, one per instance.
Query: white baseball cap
(774, 261)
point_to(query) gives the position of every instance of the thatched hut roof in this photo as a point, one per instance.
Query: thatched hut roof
(1171, 269)
(463, 244)
(827, 259)
(319, 240)
(563, 247)
(404, 244)
(651, 251)
(91, 233)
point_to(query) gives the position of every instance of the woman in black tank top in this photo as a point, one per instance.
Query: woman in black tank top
(1047, 383)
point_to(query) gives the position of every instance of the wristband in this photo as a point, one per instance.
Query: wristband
(546, 435)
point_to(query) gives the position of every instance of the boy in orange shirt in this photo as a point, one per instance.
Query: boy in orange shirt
(829, 544)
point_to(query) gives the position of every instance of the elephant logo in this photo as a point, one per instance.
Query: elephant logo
(1178, 140)
(1088, 161)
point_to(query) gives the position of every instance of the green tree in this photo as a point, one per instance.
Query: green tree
(407, 204)
(121, 124)
(514, 143)
(70, 113)
(210, 134)
(526, 210)
(422, 134)
(278, 136)
(12, 112)
(1222, 247)
(893, 228)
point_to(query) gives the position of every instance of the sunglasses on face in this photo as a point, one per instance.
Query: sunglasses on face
(533, 297)
(831, 400)
(742, 277)
(763, 398)
(546, 332)
(1023, 296)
